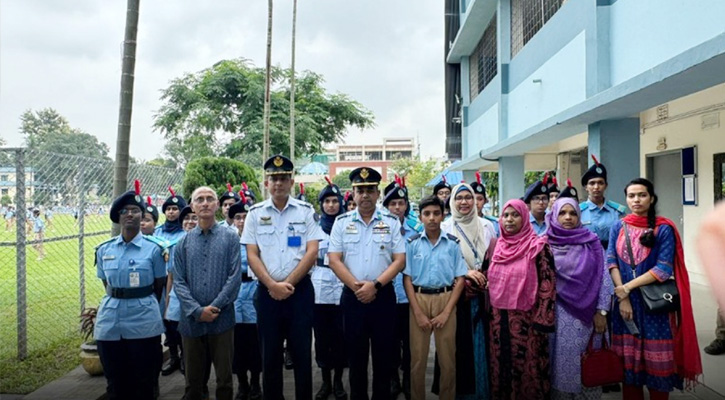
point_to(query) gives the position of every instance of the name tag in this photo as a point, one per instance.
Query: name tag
(586, 222)
(326, 261)
(134, 279)
(108, 257)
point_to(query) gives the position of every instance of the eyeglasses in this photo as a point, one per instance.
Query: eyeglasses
(464, 198)
(132, 211)
(205, 199)
(540, 199)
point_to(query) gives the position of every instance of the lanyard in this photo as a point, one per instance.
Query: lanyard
(468, 241)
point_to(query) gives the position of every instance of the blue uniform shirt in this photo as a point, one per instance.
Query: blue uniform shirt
(600, 220)
(540, 229)
(494, 221)
(367, 249)
(400, 295)
(244, 311)
(434, 265)
(328, 287)
(126, 265)
(273, 232)
(173, 311)
(38, 225)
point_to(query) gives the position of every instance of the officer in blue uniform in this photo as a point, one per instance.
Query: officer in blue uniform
(171, 232)
(282, 239)
(537, 198)
(247, 353)
(226, 200)
(395, 199)
(479, 192)
(129, 326)
(373, 249)
(329, 341)
(599, 214)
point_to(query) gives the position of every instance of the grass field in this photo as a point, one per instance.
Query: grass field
(53, 302)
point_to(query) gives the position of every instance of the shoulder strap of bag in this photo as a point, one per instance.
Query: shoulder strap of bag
(468, 241)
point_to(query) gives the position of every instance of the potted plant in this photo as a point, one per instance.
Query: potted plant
(89, 351)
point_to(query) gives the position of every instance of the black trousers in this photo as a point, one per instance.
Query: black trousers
(291, 319)
(329, 340)
(131, 367)
(247, 353)
(173, 338)
(369, 328)
(401, 355)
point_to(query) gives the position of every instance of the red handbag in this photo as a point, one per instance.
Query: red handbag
(601, 366)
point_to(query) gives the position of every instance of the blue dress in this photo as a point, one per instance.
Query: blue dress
(649, 358)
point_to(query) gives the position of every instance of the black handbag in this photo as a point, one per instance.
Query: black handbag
(659, 297)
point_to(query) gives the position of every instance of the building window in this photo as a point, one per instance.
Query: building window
(3, 178)
(527, 17)
(5, 192)
(397, 155)
(373, 156)
(483, 60)
(351, 156)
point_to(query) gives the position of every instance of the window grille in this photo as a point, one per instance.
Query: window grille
(527, 17)
(483, 61)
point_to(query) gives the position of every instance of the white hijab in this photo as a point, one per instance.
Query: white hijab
(471, 226)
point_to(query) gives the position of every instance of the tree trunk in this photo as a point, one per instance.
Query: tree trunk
(265, 151)
(292, 86)
(120, 177)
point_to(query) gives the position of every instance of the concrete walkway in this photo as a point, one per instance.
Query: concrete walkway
(77, 385)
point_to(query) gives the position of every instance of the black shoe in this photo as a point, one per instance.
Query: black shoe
(255, 392)
(171, 365)
(716, 348)
(395, 388)
(288, 364)
(339, 391)
(324, 392)
(243, 393)
(182, 367)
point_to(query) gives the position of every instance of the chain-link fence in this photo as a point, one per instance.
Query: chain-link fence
(55, 212)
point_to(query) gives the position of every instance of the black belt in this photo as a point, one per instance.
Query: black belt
(321, 263)
(246, 278)
(130, 293)
(425, 290)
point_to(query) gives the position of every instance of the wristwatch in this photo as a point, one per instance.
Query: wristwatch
(603, 312)
(378, 285)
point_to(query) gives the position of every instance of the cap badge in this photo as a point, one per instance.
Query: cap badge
(401, 193)
(174, 200)
(543, 189)
(479, 189)
(246, 207)
(137, 198)
(150, 209)
(334, 190)
(364, 173)
(599, 170)
(278, 161)
(231, 194)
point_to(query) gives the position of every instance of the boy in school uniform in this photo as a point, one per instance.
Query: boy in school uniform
(433, 278)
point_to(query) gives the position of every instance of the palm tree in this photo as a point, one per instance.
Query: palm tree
(123, 138)
(292, 86)
(265, 147)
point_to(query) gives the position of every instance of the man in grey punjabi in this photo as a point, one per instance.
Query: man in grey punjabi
(207, 277)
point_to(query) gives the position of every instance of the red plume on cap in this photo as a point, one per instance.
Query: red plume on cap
(329, 182)
(444, 179)
(229, 187)
(244, 186)
(402, 180)
(148, 200)
(137, 187)
(242, 196)
(595, 159)
(347, 195)
(478, 177)
(398, 181)
(568, 182)
(553, 179)
(546, 178)
(171, 190)
(302, 188)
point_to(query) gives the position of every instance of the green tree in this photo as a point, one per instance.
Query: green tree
(200, 111)
(6, 200)
(341, 179)
(47, 130)
(417, 174)
(216, 173)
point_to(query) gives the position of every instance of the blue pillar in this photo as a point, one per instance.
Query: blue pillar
(510, 178)
(616, 144)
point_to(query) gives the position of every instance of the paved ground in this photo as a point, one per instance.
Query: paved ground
(77, 385)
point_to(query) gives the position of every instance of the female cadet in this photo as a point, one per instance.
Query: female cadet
(129, 326)
(327, 323)
(150, 218)
(247, 354)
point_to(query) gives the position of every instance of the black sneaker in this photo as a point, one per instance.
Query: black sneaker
(716, 348)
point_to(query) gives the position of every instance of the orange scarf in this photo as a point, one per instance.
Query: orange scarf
(687, 351)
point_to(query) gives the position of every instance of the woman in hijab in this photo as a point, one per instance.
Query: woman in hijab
(477, 238)
(583, 295)
(521, 284)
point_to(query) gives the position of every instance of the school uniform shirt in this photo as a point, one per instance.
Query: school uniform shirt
(38, 225)
(539, 228)
(367, 248)
(244, 311)
(223, 223)
(173, 311)
(400, 295)
(600, 220)
(127, 265)
(328, 287)
(281, 236)
(434, 265)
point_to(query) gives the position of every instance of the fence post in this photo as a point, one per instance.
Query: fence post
(81, 241)
(20, 257)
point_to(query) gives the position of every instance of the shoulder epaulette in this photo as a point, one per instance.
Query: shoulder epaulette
(162, 243)
(622, 209)
(256, 206)
(104, 242)
(453, 238)
(583, 206)
(391, 216)
(304, 203)
(343, 216)
(414, 237)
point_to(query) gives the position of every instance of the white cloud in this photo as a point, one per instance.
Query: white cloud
(67, 55)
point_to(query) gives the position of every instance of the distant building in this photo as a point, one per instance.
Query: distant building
(377, 156)
(8, 183)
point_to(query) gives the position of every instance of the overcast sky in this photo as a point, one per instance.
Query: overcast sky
(66, 55)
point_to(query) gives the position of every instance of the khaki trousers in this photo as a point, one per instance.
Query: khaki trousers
(445, 343)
